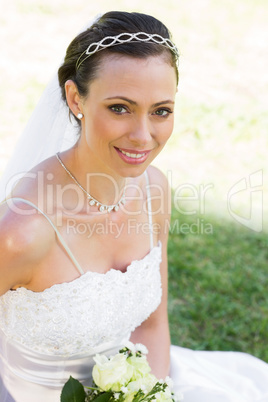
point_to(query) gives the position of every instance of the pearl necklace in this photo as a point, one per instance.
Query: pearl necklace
(91, 200)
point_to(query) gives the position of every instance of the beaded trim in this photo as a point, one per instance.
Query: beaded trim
(126, 37)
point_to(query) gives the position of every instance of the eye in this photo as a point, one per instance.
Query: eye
(118, 109)
(163, 112)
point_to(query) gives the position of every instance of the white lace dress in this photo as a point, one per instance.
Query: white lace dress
(47, 336)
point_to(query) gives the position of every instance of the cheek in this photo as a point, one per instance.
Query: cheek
(165, 131)
(98, 129)
(107, 128)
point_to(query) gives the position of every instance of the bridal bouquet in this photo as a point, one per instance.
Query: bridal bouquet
(123, 377)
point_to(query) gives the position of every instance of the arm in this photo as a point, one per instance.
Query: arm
(154, 332)
(22, 246)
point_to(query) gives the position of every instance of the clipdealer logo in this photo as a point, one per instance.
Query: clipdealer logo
(251, 188)
(187, 199)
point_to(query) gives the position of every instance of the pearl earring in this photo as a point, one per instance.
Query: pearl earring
(80, 116)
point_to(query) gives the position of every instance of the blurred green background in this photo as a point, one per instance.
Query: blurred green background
(216, 159)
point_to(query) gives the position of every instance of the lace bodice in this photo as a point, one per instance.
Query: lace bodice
(76, 317)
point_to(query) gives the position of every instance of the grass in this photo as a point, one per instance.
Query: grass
(218, 286)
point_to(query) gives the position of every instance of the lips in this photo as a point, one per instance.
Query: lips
(132, 156)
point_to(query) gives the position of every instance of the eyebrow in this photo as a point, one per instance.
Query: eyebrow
(135, 103)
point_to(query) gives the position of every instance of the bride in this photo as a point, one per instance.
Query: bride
(83, 234)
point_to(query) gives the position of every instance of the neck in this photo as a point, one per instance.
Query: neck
(98, 181)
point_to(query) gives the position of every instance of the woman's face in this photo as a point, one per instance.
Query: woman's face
(128, 114)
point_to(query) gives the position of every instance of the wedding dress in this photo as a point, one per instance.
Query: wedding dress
(47, 336)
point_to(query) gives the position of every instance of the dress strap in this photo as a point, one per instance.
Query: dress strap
(149, 207)
(61, 239)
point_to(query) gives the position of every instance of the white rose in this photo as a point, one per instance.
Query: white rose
(140, 365)
(129, 397)
(145, 383)
(111, 374)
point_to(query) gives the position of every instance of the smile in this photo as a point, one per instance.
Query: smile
(131, 156)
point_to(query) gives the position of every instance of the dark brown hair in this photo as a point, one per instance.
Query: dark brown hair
(110, 24)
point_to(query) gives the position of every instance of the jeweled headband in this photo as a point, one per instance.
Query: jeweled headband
(109, 41)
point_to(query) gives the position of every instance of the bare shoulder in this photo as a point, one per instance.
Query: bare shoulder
(157, 177)
(25, 238)
(161, 195)
(36, 181)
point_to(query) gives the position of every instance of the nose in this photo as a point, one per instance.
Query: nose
(141, 132)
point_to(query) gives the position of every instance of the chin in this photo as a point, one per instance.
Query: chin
(134, 171)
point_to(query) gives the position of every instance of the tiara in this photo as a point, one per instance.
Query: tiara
(126, 37)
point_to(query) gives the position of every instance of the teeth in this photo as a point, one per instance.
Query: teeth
(135, 156)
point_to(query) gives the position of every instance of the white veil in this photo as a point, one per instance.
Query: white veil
(48, 131)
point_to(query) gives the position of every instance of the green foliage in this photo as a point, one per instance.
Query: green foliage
(218, 288)
(73, 391)
(105, 397)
